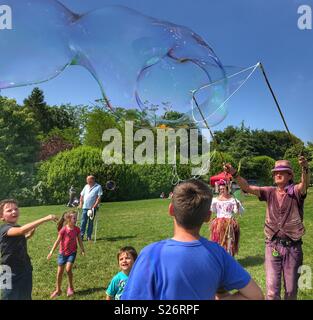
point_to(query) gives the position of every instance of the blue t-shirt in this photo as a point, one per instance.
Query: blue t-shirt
(174, 270)
(117, 285)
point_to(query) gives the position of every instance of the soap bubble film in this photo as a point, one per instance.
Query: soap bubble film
(137, 61)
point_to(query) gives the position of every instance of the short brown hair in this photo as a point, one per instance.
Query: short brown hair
(131, 250)
(191, 201)
(4, 202)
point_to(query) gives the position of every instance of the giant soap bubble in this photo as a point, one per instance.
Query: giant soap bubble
(137, 61)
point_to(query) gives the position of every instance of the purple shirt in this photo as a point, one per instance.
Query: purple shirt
(284, 216)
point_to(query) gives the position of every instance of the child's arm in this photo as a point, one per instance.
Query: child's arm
(22, 231)
(222, 294)
(250, 292)
(80, 241)
(112, 289)
(54, 247)
(30, 234)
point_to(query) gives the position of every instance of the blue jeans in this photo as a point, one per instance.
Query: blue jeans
(83, 224)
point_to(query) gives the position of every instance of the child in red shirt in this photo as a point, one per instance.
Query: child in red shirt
(68, 236)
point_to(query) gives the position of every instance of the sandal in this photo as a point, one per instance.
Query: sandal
(70, 292)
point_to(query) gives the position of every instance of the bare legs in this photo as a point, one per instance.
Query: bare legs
(68, 267)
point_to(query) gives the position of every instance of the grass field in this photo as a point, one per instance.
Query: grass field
(139, 223)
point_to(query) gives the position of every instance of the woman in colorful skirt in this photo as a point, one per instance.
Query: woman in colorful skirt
(225, 228)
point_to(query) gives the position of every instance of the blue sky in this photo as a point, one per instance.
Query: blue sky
(241, 32)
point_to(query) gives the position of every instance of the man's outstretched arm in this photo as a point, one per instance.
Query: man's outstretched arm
(242, 182)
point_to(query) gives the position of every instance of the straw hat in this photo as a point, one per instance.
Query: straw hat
(91, 213)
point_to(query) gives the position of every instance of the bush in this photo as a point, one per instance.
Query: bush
(17, 183)
(133, 181)
(258, 168)
(217, 159)
(296, 169)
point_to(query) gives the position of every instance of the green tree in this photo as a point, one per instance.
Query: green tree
(217, 160)
(8, 179)
(70, 135)
(296, 150)
(272, 143)
(98, 120)
(18, 134)
(35, 103)
(62, 117)
(242, 142)
(258, 168)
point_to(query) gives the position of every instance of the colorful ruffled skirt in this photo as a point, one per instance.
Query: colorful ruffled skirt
(226, 232)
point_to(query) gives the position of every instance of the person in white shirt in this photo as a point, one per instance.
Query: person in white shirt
(225, 228)
(90, 198)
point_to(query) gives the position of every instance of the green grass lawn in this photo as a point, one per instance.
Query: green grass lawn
(138, 223)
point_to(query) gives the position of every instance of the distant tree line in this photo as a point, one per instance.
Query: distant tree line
(44, 149)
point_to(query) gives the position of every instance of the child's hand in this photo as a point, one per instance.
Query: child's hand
(52, 217)
(83, 253)
(49, 256)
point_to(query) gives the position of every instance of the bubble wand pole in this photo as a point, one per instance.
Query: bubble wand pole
(275, 99)
(213, 137)
(292, 139)
(207, 125)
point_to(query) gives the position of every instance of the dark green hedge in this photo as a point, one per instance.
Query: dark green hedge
(133, 181)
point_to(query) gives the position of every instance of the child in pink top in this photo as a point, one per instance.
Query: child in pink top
(68, 236)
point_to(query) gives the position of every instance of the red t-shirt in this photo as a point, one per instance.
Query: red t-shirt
(68, 244)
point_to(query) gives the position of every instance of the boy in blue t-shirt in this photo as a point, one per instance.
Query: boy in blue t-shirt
(126, 258)
(188, 266)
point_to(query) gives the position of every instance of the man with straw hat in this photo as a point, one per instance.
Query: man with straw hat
(283, 225)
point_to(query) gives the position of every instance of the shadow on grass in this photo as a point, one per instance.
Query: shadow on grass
(251, 261)
(112, 239)
(89, 291)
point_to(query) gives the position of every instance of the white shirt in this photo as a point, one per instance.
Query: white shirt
(90, 195)
(226, 208)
